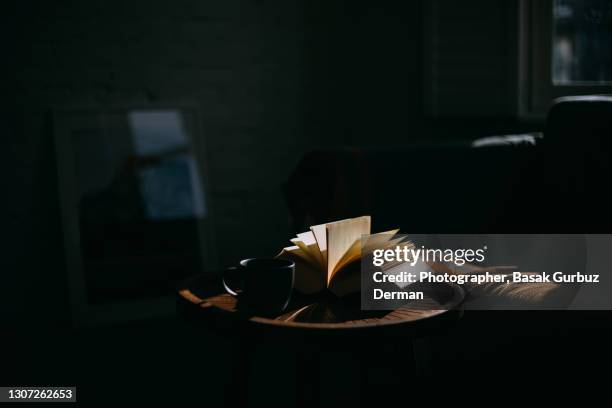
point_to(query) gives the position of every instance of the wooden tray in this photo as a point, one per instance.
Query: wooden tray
(318, 312)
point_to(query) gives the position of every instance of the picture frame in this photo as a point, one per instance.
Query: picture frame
(134, 197)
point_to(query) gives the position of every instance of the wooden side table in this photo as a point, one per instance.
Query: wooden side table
(313, 324)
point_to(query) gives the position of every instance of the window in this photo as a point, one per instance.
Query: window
(566, 49)
(582, 42)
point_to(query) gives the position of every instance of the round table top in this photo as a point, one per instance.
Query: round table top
(204, 295)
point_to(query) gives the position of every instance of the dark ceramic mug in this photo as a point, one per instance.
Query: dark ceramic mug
(264, 285)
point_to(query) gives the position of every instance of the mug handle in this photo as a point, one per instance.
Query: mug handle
(228, 288)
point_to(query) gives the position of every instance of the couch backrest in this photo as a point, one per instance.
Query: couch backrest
(557, 185)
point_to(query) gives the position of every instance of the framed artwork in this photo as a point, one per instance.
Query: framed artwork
(134, 198)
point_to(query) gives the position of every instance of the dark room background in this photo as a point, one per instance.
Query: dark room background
(272, 79)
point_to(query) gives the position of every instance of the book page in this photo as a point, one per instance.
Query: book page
(310, 253)
(308, 279)
(347, 281)
(341, 237)
(352, 254)
(308, 238)
(292, 253)
(355, 252)
(320, 234)
(346, 278)
(382, 240)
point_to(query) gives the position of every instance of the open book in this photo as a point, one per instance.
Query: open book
(328, 256)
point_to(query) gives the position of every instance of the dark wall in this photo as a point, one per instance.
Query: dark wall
(273, 79)
(394, 73)
(364, 70)
(240, 61)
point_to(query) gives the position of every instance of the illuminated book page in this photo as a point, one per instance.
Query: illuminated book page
(308, 238)
(381, 240)
(341, 237)
(309, 253)
(308, 279)
(320, 234)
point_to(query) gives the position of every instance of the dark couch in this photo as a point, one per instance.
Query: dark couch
(553, 184)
